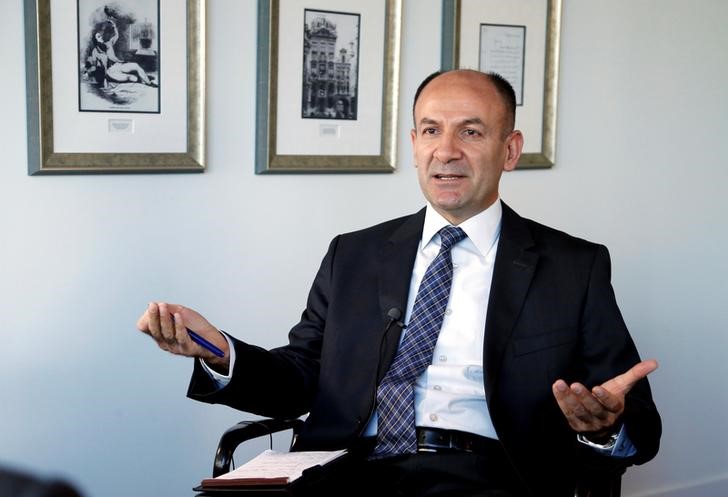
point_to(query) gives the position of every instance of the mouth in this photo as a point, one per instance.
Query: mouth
(448, 177)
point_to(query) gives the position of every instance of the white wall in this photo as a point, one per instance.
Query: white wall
(641, 158)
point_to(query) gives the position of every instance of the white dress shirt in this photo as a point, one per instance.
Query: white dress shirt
(450, 394)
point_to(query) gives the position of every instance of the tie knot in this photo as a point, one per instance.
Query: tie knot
(449, 236)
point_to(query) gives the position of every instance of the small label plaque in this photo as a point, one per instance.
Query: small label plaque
(330, 131)
(121, 126)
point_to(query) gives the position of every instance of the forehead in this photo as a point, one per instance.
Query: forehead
(465, 95)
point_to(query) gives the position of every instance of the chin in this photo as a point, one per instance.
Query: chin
(448, 201)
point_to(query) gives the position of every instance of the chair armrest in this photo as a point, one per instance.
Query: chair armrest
(247, 430)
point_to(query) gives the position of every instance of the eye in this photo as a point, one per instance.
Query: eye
(429, 131)
(470, 132)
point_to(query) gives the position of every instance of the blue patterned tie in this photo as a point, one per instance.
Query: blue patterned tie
(395, 394)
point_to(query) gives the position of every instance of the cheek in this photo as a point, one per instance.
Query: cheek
(421, 173)
(418, 155)
(422, 149)
(486, 165)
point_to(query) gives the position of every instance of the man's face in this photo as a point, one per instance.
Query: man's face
(460, 150)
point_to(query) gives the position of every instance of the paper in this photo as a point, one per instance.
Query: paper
(503, 51)
(273, 468)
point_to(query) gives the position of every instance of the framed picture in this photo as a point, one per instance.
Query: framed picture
(518, 39)
(328, 89)
(115, 86)
(118, 56)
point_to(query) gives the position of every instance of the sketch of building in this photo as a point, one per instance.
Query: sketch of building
(330, 65)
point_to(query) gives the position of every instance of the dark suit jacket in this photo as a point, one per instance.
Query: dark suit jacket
(552, 314)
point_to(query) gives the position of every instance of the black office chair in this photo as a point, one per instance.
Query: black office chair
(589, 485)
(248, 430)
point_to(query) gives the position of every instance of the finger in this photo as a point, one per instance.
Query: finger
(613, 403)
(567, 400)
(624, 382)
(574, 402)
(153, 321)
(165, 320)
(180, 332)
(568, 406)
(143, 321)
(592, 408)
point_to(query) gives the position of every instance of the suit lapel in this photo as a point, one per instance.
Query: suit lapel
(512, 274)
(397, 258)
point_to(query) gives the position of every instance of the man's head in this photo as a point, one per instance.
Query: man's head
(502, 85)
(463, 140)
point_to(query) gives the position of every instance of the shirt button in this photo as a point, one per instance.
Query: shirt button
(443, 358)
(433, 417)
(448, 311)
(437, 387)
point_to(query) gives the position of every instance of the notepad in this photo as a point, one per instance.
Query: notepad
(273, 468)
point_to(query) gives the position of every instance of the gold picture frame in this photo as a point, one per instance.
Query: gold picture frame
(543, 113)
(316, 154)
(45, 157)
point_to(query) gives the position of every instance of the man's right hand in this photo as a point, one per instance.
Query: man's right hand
(167, 325)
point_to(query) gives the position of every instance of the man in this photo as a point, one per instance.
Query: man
(533, 378)
(340, 111)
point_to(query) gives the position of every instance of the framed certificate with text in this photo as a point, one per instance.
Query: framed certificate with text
(518, 39)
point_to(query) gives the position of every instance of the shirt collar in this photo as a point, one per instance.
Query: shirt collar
(483, 229)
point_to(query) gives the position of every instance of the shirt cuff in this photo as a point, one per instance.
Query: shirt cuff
(221, 380)
(621, 447)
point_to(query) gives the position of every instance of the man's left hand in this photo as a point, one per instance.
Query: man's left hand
(597, 411)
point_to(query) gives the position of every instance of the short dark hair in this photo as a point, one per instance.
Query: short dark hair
(502, 86)
(424, 83)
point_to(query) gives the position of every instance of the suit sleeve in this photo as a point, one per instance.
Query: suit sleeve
(281, 382)
(608, 350)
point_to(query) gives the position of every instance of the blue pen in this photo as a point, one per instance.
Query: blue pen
(204, 343)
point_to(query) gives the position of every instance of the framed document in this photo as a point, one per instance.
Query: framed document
(328, 89)
(503, 50)
(518, 39)
(115, 87)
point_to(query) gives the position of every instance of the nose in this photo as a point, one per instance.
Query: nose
(447, 149)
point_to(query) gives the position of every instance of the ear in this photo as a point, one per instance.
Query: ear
(413, 138)
(514, 147)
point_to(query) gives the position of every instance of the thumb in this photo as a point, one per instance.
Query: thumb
(623, 383)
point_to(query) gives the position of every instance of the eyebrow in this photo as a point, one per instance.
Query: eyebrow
(464, 122)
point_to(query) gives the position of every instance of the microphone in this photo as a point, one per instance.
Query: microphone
(394, 315)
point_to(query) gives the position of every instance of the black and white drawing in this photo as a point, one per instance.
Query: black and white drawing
(119, 60)
(330, 65)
